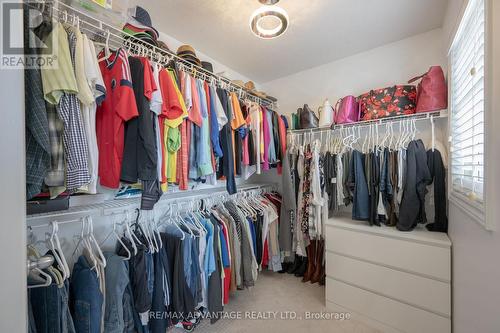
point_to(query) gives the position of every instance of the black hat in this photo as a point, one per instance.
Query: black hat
(207, 66)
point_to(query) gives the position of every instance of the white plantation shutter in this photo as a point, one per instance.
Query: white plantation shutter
(467, 105)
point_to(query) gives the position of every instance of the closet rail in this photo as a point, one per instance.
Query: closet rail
(117, 38)
(114, 207)
(417, 116)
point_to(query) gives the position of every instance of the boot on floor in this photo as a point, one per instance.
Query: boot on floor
(295, 265)
(302, 269)
(285, 266)
(316, 276)
(311, 250)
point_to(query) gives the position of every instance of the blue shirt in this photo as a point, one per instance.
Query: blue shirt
(224, 250)
(209, 260)
(204, 156)
(214, 125)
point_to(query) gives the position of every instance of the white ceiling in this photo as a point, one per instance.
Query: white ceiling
(320, 31)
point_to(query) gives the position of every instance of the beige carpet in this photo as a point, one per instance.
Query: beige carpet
(273, 295)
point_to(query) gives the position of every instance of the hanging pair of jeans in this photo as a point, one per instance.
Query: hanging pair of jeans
(50, 311)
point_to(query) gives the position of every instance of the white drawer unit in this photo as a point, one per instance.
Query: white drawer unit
(394, 281)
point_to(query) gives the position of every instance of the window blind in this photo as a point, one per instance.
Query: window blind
(467, 104)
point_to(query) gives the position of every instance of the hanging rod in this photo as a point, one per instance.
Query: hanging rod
(365, 123)
(69, 14)
(117, 207)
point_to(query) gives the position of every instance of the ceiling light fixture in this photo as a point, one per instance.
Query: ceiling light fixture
(269, 21)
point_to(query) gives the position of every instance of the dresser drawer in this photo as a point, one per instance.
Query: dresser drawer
(413, 256)
(425, 293)
(400, 316)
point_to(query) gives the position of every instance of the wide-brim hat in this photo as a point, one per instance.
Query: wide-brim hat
(260, 94)
(162, 45)
(188, 53)
(207, 66)
(238, 83)
(250, 85)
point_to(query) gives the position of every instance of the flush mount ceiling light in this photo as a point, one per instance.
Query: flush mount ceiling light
(269, 21)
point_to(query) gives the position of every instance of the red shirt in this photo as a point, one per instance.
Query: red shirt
(117, 107)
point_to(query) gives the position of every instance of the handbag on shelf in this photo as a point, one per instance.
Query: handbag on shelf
(307, 118)
(326, 114)
(392, 101)
(347, 110)
(432, 92)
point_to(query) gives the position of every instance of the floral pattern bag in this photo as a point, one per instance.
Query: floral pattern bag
(388, 102)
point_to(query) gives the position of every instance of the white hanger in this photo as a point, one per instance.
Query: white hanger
(48, 279)
(57, 252)
(129, 254)
(94, 241)
(107, 51)
(128, 232)
(172, 220)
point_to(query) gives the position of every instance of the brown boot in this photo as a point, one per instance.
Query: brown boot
(320, 247)
(311, 250)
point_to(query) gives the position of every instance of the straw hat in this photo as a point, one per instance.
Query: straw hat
(250, 85)
(188, 53)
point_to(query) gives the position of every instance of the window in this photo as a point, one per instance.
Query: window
(467, 68)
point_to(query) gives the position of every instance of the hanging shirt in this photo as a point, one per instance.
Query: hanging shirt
(61, 78)
(118, 107)
(85, 94)
(195, 111)
(226, 164)
(214, 124)
(219, 110)
(267, 139)
(95, 82)
(139, 153)
(271, 147)
(173, 144)
(74, 138)
(255, 120)
(237, 120)
(175, 117)
(155, 106)
(186, 90)
(204, 159)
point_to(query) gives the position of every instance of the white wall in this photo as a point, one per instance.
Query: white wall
(12, 200)
(387, 65)
(476, 264)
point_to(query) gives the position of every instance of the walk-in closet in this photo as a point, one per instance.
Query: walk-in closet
(250, 166)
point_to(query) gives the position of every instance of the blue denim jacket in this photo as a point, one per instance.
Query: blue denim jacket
(86, 298)
(116, 281)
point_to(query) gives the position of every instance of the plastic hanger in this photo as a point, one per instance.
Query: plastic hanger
(107, 51)
(119, 239)
(172, 220)
(128, 232)
(48, 279)
(54, 246)
(94, 241)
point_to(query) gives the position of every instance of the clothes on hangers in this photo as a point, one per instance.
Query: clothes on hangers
(127, 120)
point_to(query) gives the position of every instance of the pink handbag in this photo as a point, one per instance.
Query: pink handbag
(347, 110)
(432, 91)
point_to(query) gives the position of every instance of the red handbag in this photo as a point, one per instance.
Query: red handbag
(388, 102)
(432, 92)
